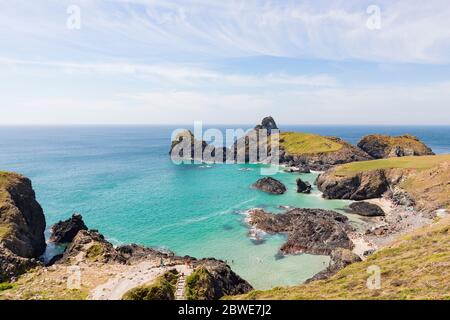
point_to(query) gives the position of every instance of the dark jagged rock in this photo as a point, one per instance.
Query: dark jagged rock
(65, 231)
(270, 185)
(313, 231)
(303, 187)
(267, 123)
(383, 146)
(340, 258)
(360, 186)
(366, 209)
(22, 225)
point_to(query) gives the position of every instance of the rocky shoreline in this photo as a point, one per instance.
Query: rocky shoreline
(394, 197)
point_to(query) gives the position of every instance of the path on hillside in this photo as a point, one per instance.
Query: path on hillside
(140, 274)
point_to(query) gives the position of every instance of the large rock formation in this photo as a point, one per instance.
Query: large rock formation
(270, 185)
(383, 146)
(360, 186)
(65, 231)
(313, 231)
(186, 147)
(22, 225)
(268, 123)
(366, 209)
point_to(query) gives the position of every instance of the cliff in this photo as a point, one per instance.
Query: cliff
(415, 266)
(419, 182)
(383, 146)
(22, 225)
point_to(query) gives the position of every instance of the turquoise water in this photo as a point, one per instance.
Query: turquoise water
(122, 180)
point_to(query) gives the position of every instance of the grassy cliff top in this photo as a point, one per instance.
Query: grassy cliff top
(416, 266)
(420, 163)
(297, 143)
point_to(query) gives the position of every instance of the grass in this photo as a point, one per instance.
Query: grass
(163, 288)
(4, 230)
(420, 163)
(198, 284)
(295, 143)
(5, 286)
(94, 251)
(416, 266)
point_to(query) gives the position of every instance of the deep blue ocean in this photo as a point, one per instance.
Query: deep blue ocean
(121, 179)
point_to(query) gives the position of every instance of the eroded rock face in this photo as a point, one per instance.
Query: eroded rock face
(303, 187)
(65, 231)
(366, 209)
(270, 185)
(313, 231)
(360, 186)
(383, 146)
(22, 225)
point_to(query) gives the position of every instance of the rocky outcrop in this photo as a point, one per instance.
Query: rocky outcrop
(359, 186)
(313, 231)
(303, 187)
(213, 279)
(186, 147)
(366, 209)
(22, 225)
(65, 231)
(91, 247)
(340, 258)
(383, 146)
(268, 123)
(321, 161)
(270, 185)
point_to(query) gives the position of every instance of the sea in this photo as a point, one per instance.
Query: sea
(123, 182)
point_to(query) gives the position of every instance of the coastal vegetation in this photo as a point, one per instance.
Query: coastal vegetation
(198, 284)
(296, 143)
(411, 162)
(415, 266)
(162, 288)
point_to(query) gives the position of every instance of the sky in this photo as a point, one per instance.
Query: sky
(224, 62)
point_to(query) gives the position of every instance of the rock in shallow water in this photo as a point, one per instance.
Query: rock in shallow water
(270, 185)
(313, 231)
(303, 186)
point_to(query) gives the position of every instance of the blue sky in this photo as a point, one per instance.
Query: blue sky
(162, 62)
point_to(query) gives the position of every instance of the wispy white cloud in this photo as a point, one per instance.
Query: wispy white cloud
(178, 74)
(411, 31)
